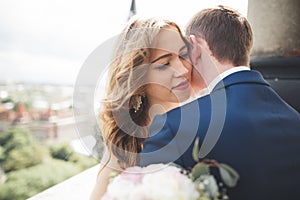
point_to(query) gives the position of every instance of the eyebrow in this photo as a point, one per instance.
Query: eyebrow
(168, 55)
(161, 57)
(182, 48)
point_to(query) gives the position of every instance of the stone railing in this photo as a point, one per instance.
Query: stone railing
(78, 187)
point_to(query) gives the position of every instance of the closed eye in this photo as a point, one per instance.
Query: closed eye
(163, 66)
(183, 52)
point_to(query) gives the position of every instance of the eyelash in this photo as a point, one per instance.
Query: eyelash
(184, 56)
(163, 66)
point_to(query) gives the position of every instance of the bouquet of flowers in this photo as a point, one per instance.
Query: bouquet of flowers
(162, 181)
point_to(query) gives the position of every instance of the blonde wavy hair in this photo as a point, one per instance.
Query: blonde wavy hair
(124, 117)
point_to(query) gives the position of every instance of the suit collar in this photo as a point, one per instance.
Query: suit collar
(223, 75)
(246, 76)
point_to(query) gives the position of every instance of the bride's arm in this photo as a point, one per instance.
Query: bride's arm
(108, 165)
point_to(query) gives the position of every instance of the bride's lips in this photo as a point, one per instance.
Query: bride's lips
(181, 86)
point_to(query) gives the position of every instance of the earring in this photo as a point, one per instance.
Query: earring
(136, 102)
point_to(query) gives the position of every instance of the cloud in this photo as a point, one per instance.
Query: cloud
(52, 38)
(46, 40)
(40, 69)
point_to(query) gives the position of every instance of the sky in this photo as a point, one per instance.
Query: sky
(47, 41)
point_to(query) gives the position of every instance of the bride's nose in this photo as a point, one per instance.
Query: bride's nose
(179, 68)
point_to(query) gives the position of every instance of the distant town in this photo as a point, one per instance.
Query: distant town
(45, 109)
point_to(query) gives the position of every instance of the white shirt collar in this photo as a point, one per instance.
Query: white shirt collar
(206, 91)
(224, 74)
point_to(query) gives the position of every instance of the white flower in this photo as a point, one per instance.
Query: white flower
(154, 182)
(208, 183)
(169, 183)
(120, 188)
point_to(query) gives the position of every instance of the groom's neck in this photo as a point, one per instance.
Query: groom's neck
(215, 70)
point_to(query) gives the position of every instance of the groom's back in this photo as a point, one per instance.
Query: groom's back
(260, 138)
(255, 131)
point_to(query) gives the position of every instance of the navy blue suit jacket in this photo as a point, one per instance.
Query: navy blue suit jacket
(242, 123)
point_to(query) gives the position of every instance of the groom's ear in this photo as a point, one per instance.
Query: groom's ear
(204, 46)
(195, 51)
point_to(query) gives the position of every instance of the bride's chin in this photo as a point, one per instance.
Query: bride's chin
(182, 96)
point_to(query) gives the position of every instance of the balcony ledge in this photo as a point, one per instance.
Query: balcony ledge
(78, 187)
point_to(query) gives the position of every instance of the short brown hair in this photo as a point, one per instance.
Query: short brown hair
(227, 33)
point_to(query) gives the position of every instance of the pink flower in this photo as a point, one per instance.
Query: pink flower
(132, 174)
(154, 168)
(156, 181)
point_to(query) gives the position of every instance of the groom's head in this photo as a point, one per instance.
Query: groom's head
(226, 33)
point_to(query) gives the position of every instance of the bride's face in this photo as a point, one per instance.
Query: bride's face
(170, 72)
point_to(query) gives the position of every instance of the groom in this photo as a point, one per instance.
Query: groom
(241, 122)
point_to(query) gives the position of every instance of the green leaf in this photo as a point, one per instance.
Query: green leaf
(228, 175)
(198, 170)
(196, 150)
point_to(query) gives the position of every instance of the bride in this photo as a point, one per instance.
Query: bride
(150, 74)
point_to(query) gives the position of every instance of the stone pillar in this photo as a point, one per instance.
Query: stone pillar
(276, 27)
